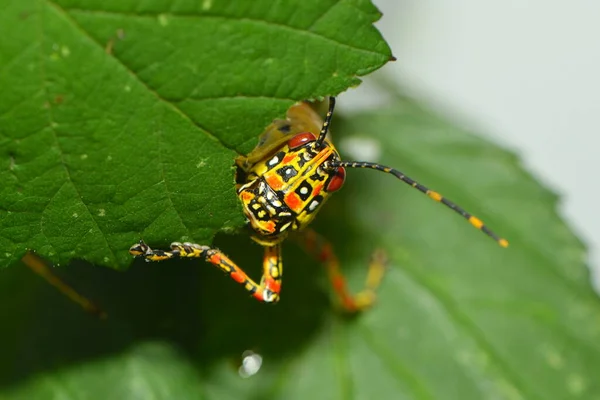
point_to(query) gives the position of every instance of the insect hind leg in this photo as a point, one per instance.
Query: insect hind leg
(39, 266)
(321, 249)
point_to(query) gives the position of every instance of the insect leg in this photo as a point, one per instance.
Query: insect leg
(321, 249)
(39, 266)
(272, 271)
(267, 291)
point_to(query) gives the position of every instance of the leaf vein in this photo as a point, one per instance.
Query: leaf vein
(462, 320)
(7, 64)
(17, 104)
(51, 122)
(418, 388)
(172, 105)
(320, 17)
(153, 15)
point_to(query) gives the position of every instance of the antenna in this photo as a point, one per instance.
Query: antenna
(326, 123)
(476, 222)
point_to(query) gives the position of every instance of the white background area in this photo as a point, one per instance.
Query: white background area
(524, 73)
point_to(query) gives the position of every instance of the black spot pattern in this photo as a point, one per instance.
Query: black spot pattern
(303, 158)
(259, 212)
(287, 173)
(318, 200)
(275, 160)
(304, 190)
(317, 177)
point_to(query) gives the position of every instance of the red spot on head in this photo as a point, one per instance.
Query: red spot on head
(337, 180)
(289, 157)
(301, 139)
(293, 201)
(274, 181)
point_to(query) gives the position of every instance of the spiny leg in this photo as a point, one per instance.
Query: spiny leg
(267, 291)
(321, 249)
(37, 265)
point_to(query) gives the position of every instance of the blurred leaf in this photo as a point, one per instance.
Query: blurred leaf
(121, 119)
(458, 317)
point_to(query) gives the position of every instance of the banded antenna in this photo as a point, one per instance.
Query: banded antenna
(326, 123)
(473, 220)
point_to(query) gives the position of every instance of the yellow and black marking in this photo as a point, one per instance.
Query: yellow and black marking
(282, 184)
(267, 290)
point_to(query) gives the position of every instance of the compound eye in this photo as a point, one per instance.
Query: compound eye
(300, 140)
(337, 180)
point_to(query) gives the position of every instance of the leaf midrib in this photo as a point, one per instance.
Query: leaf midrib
(154, 15)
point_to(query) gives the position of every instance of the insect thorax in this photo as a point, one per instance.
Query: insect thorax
(284, 191)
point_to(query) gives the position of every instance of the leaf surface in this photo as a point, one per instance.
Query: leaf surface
(120, 120)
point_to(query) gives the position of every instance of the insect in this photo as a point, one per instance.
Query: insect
(282, 185)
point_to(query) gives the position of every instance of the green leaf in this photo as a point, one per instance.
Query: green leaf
(458, 317)
(121, 119)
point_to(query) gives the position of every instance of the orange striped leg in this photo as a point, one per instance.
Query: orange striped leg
(272, 272)
(322, 250)
(37, 265)
(267, 291)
